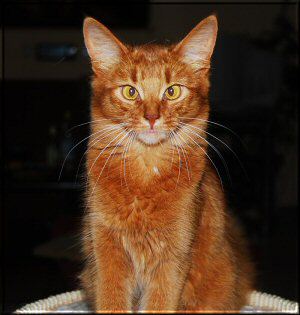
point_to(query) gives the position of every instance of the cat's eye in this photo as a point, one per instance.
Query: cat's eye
(173, 92)
(129, 92)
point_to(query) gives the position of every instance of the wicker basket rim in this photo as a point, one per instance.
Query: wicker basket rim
(257, 300)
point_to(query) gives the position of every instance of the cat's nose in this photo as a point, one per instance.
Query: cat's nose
(151, 118)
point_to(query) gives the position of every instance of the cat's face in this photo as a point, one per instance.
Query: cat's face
(149, 89)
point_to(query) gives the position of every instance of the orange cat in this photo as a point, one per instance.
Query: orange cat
(157, 235)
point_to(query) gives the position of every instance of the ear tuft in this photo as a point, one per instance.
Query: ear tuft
(197, 47)
(103, 47)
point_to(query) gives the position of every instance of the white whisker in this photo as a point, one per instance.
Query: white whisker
(225, 144)
(118, 143)
(96, 141)
(217, 124)
(90, 122)
(74, 147)
(124, 158)
(207, 156)
(102, 151)
(134, 137)
(214, 148)
(184, 154)
(179, 159)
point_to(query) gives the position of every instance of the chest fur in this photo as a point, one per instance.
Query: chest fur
(145, 251)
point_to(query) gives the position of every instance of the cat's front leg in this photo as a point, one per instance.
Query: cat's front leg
(164, 288)
(114, 274)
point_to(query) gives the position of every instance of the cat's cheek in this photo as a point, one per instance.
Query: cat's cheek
(189, 107)
(115, 103)
(178, 107)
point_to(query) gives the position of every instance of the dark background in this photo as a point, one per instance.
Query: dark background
(46, 92)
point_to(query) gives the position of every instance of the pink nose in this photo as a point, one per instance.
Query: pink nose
(151, 118)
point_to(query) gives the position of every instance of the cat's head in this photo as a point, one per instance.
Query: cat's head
(150, 89)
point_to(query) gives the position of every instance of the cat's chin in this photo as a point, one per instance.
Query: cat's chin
(152, 137)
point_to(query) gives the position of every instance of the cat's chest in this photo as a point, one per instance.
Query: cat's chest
(145, 250)
(141, 215)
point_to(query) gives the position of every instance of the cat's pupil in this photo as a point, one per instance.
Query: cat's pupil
(171, 91)
(132, 91)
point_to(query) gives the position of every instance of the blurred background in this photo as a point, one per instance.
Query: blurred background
(46, 92)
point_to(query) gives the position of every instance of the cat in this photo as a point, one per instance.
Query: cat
(157, 235)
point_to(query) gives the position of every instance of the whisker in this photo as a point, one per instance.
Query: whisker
(225, 144)
(74, 147)
(134, 137)
(217, 124)
(185, 155)
(89, 122)
(114, 154)
(124, 158)
(179, 159)
(215, 149)
(173, 150)
(124, 164)
(207, 156)
(93, 143)
(102, 151)
(118, 143)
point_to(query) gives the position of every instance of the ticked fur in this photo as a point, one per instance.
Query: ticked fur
(157, 234)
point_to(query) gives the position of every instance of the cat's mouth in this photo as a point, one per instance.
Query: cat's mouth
(152, 136)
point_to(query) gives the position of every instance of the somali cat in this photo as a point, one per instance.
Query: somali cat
(157, 235)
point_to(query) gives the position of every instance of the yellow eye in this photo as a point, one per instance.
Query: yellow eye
(173, 92)
(129, 92)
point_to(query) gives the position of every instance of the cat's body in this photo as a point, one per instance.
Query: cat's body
(157, 234)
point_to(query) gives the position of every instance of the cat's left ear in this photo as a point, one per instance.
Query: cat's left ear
(197, 47)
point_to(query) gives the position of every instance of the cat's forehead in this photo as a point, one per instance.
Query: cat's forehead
(150, 53)
(151, 62)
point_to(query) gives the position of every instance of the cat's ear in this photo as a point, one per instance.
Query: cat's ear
(103, 47)
(197, 47)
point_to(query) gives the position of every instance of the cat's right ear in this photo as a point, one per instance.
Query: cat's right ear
(103, 47)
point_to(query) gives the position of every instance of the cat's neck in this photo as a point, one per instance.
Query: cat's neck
(148, 169)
